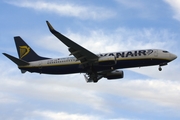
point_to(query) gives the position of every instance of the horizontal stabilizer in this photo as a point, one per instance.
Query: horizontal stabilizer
(16, 60)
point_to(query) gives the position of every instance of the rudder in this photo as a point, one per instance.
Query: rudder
(25, 52)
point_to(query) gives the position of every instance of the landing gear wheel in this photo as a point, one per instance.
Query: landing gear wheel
(95, 81)
(160, 69)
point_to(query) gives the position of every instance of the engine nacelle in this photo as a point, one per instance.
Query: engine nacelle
(117, 74)
(107, 61)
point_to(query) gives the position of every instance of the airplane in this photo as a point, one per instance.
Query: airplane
(94, 66)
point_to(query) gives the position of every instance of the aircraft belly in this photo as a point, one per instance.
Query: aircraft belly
(139, 63)
(62, 69)
(65, 69)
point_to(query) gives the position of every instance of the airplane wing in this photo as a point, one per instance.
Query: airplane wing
(86, 57)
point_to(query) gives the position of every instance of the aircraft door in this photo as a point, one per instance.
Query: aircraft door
(156, 53)
(40, 67)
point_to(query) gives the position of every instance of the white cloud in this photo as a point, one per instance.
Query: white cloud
(175, 4)
(49, 115)
(67, 9)
(160, 92)
(7, 99)
(48, 88)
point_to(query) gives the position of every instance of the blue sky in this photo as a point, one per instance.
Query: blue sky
(100, 26)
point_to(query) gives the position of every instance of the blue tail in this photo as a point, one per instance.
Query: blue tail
(25, 52)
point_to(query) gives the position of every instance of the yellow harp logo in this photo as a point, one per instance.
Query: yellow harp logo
(24, 50)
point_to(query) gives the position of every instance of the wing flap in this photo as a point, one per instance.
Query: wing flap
(92, 78)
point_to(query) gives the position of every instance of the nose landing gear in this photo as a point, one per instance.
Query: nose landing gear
(160, 69)
(163, 64)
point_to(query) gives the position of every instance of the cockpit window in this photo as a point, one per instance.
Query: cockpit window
(165, 51)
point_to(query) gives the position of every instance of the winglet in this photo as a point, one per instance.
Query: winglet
(50, 27)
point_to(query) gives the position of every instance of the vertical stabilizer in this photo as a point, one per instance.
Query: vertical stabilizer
(25, 52)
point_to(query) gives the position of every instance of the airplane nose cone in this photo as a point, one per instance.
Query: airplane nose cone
(173, 56)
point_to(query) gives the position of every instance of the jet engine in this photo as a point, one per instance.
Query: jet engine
(117, 74)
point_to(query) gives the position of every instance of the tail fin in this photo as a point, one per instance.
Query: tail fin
(25, 52)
